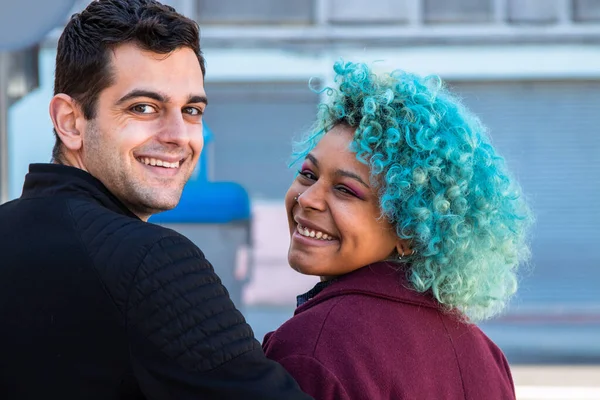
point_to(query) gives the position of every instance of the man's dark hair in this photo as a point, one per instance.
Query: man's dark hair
(83, 58)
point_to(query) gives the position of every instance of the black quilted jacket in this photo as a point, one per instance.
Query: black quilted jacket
(97, 304)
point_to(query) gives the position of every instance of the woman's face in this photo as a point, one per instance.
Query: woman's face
(335, 222)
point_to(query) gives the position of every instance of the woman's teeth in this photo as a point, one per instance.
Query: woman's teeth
(312, 234)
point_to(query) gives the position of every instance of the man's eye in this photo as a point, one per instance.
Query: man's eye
(143, 109)
(192, 111)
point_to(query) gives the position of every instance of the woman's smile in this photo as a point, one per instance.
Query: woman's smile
(305, 236)
(333, 213)
(319, 235)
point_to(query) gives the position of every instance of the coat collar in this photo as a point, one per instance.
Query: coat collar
(384, 280)
(61, 180)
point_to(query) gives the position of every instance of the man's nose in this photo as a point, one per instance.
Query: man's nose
(174, 129)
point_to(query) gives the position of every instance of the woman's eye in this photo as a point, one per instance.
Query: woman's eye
(192, 111)
(345, 190)
(143, 109)
(308, 175)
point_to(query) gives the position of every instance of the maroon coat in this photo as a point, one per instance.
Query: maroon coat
(366, 336)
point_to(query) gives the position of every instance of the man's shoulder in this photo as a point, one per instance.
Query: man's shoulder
(124, 251)
(102, 229)
(117, 244)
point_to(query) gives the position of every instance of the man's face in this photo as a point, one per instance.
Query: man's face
(146, 137)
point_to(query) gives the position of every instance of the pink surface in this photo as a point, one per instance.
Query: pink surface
(272, 281)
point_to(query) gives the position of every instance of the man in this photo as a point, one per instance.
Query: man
(95, 302)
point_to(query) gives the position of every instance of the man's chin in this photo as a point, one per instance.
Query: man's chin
(149, 207)
(159, 207)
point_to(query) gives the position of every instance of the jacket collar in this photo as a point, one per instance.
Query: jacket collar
(61, 180)
(384, 280)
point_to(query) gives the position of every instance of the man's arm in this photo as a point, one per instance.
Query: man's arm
(188, 340)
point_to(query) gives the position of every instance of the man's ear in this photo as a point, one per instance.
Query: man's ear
(66, 115)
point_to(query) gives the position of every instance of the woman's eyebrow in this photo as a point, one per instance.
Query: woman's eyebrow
(340, 172)
(352, 175)
(313, 159)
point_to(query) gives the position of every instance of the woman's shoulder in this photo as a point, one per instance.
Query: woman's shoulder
(330, 326)
(302, 332)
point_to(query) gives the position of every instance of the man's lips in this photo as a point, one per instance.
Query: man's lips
(165, 162)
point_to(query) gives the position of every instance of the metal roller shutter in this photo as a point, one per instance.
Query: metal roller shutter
(549, 133)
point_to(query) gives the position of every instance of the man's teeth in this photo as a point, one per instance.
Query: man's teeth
(158, 163)
(312, 234)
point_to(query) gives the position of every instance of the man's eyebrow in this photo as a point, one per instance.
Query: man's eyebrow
(340, 172)
(194, 98)
(160, 97)
(144, 93)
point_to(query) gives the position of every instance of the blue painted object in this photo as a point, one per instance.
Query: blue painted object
(203, 162)
(208, 202)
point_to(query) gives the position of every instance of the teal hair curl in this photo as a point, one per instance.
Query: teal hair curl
(440, 182)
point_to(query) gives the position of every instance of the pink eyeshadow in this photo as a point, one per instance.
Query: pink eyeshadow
(357, 192)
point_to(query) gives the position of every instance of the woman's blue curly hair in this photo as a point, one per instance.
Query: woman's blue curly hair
(440, 182)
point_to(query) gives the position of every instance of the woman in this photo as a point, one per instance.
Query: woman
(409, 216)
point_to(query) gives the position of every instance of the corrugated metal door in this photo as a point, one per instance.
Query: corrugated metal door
(253, 126)
(549, 133)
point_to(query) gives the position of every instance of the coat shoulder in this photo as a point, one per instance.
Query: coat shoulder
(301, 334)
(117, 244)
(104, 231)
(165, 288)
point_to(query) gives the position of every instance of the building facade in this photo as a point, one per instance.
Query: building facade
(529, 68)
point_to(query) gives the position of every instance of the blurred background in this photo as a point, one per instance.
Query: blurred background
(529, 68)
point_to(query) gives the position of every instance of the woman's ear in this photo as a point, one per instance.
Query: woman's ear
(65, 112)
(403, 248)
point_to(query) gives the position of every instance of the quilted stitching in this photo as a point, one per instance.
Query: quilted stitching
(180, 305)
(165, 288)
